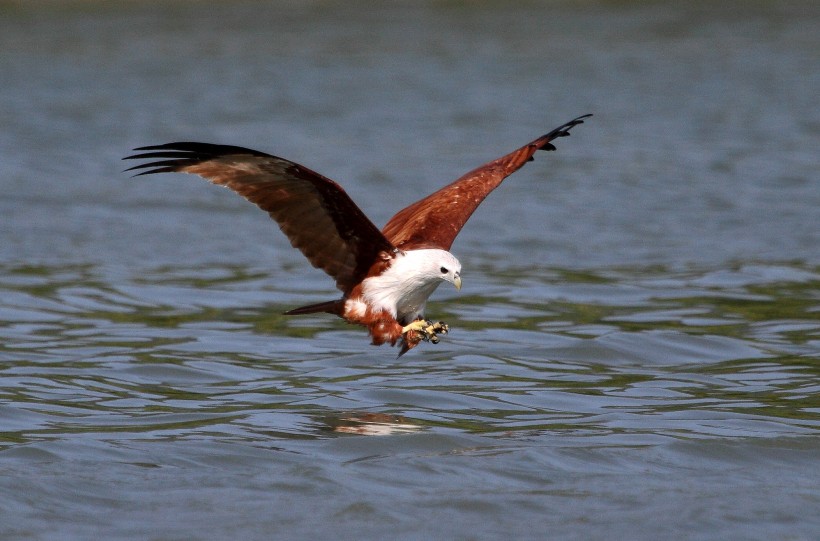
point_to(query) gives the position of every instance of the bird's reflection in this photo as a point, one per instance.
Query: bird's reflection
(371, 424)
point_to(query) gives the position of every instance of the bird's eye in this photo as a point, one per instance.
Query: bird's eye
(443, 270)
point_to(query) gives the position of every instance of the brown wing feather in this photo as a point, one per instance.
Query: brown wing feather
(314, 212)
(435, 221)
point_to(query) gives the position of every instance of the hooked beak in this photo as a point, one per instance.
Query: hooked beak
(457, 281)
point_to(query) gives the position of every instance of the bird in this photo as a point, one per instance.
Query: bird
(386, 276)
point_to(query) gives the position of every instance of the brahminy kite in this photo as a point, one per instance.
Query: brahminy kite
(385, 276)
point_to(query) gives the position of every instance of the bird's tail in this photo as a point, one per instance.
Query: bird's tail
(330, 307)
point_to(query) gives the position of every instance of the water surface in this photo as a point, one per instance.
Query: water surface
(635, 350)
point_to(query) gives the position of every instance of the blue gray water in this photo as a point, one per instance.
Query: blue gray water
(634, 354)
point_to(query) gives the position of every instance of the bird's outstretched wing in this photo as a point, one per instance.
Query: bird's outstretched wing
(314, 212)
(435, 221)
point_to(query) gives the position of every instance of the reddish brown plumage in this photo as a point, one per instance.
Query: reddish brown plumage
(314, 212)
(323, 222)
(438, 218)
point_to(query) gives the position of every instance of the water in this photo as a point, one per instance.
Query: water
(634, 354)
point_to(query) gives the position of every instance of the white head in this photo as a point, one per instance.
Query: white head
(430, 266)
(404, 287)
(450, 269)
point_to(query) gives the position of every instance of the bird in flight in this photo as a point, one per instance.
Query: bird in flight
(387, 275)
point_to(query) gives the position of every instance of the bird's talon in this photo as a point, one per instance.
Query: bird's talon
(419, 326)
(432, 330)
(427, 330)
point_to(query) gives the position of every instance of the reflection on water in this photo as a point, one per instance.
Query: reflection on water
(372, 424)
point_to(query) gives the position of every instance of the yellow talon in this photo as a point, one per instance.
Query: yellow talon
(438, 328)
(429, 331)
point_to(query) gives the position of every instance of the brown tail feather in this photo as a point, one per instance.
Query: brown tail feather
(330, 307)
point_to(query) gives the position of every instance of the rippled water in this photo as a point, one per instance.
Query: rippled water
(634, 354)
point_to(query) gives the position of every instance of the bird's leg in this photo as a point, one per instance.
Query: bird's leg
(428, 330)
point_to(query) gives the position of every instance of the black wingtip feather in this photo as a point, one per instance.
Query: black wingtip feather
(152, 171)
(181, 154)
(563, 130)
(202, 148)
